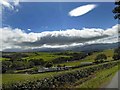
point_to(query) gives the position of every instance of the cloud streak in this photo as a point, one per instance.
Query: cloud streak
(17, 38)
(79, 11)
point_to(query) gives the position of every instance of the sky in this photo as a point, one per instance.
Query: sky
(54, 16)
(32, 25)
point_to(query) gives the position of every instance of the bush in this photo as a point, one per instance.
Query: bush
(116, 55)
(49, 64)
(6, 65)
(37, 61)
(35, 69)
(100, 58)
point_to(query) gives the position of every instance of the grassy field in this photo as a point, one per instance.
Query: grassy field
(43, 55)
(40, 55)
(13, 78)
(49, 56)
(91, 58)
(108, 53)
(100, 78)
(72, 63)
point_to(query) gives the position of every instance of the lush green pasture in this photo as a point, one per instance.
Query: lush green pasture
(9, 79)
(43, 55)
(13, 78)
(109, 53)
(70, 63)
(50, 56)
(47, 56)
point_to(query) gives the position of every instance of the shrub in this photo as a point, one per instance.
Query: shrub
(116, 55)
(100, 58)
(48, 64)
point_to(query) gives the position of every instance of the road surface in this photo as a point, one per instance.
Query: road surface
(115, 82)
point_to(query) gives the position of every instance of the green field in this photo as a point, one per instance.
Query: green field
(101, 77)
(13, 78)
(40, 55)
(50, 56)
(43, 55)
(109, 53)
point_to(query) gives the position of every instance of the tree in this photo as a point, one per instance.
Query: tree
(116, 55)
(18, 65)
(37, 61)
(116, 10)
(35, 69)
(49, 64)
(17, 57)
(59, 66)
(6, 65)
(117, 50)
(100, 58)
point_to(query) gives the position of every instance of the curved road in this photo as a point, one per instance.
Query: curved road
(115, 82)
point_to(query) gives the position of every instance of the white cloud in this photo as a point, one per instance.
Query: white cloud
(29, 29)
(10, 5)
(82, 10)
(5, 3)
(17, 38)
(16, 2)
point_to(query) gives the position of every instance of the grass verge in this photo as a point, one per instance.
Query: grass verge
(100, 78)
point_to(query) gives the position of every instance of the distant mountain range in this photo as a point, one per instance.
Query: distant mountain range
(88, 48)
(96, 47)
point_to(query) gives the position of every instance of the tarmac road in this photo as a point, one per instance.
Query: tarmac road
(115, 82)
